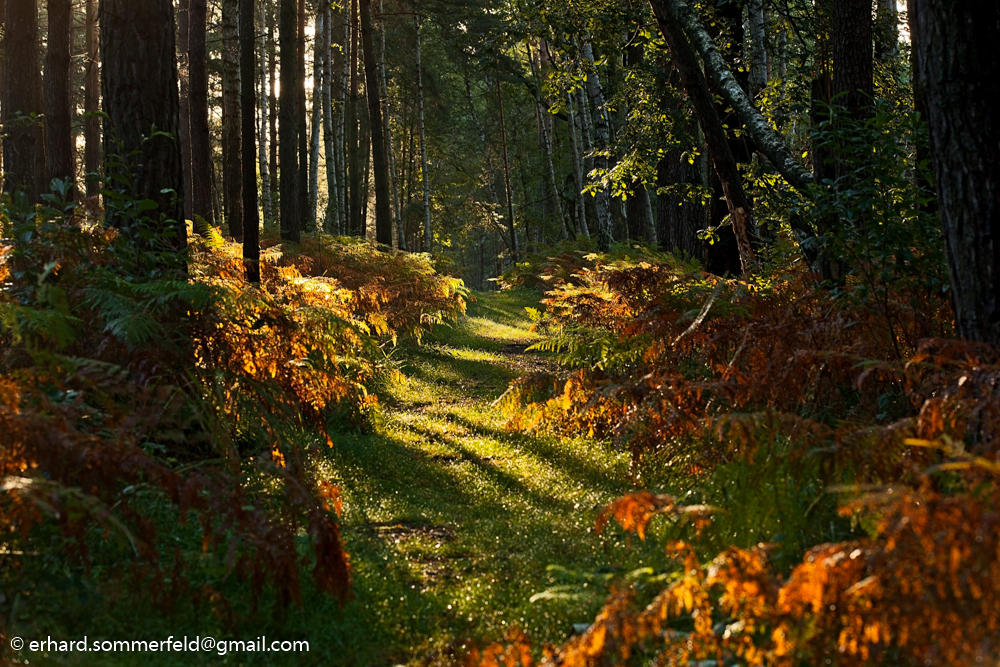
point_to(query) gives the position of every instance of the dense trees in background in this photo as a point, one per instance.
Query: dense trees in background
(490, 133)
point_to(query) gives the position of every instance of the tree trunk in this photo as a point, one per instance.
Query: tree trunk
(428, 237)
(758, 46)
(332, 219)
(958, 67)
(287, 33)
(21, 144)
(506, 175)
(272, 102)
(232, 120)
(853, 78)
(353, 151)
(602, 136)
(58, 93)
(92, 102)
(265, 120)
(301, 109)
(581, 206)
(248, 102)
(767, 139)
(698, 92)
(140, 94)
(393, 174)
(343, 135)
(3, 79)
(383, 206)
(202, 172)
(887, 33)
(184, 69)
(317, 116)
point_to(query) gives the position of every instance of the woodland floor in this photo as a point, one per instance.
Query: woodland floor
(453, 524)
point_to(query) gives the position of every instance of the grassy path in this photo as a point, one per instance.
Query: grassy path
(454, 523)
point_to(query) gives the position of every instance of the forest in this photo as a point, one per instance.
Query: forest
(481, 333)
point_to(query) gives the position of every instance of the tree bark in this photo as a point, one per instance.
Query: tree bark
(758, 46)
(202, 173)
(332, 219)
(853, 78)
(353, 152)
(383, 206)
(58, 117)
(184, 69)
(393, 174)
(265, 118)
(767, 139)
(698, 92)
(958, 67)
(578, 169)
(301, 108)
(272, 103)
(317, 115)
(92, 102)
(602, 138)
(248, 102)
(140, 94)
(232, 120)
(428, 237)
(287, 33)
(22, 102)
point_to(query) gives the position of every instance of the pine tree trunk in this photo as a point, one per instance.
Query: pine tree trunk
(602, 138)
(23, 84)
(184, 69)
(248, 103)
(696, 86)
(140, 93)
(317, 117)
(853, 75)
(393, 175)
(264, 141)
(59, 153)
(958, 66)
(759, 66)
(383, 205)
(356, 226)
(428, 237)
(202, 172)
(92, 102)
(232, 120)
(301, 109)
(332, 223)
(289, 135)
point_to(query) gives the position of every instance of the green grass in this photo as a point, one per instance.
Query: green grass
(451, 521)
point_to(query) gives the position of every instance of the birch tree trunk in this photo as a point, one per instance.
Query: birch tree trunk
(393, 175)
(696, 86)
(581, 206)
(428, 238)
(602, 138)
(265, 121)
(248, 102)
(232, 122)
(764, 135)
(317, 117)
(92, 101)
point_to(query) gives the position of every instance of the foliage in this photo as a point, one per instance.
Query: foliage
(195, 391)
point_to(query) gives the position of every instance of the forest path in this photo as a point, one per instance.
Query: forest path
(454, 523)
